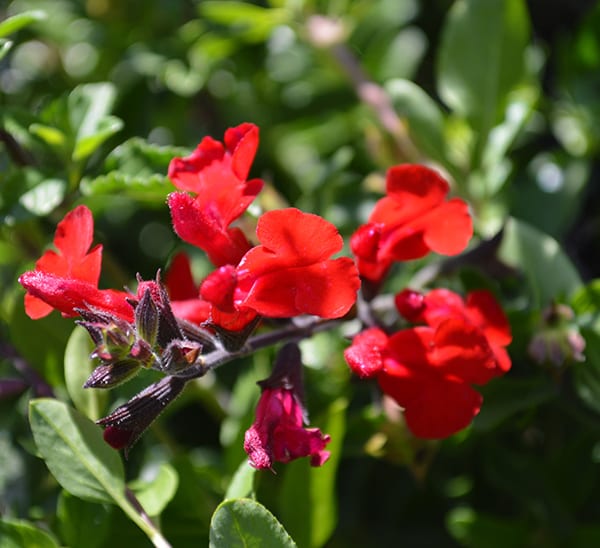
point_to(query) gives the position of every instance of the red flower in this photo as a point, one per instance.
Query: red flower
(429, 372)
(183, 292)
(412, 220)
(216, 174)
(68, 279)
(290, 273)
(480, 310)
(278, 433)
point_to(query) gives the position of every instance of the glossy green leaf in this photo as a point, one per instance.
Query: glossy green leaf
(77, 518)
(20, 534)
(541, 260)
(156, 493)
(106, 128)
(242, 483)
(506, 397)
(308, 498)
(5, 46)
(245, 523)
(481, 58)
(251, 22)
(16, 22)
(44, 197)
(50, 135)
(75, 452)
(78, 367)
(89, 107)
(423, 116)
(150, 190)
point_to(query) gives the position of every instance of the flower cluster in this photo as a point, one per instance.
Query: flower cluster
(264, 280)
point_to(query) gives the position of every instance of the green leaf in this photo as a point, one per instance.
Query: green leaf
(78, 367)
(89, 106)
(77, 517)
(5, 46)
(155, 494)
(506, 397)
(20, 533)
(423, 116)
(253, 23)
(44, 197)
(50, 135)
(245, 523)
(75, 452)
(242, 483)
(16, 22)
(106, 128)
(481, 59)
(540, 258)
(151, 190)
(308, 498)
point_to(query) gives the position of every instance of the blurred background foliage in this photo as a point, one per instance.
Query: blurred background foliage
(96, 97)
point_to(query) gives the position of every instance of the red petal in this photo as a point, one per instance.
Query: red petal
(410, 304)
(74, 234)
(290, 237)
(365, 355)
(327, 289)
(242, 141)
(484, 310)
(437, 407)
(179, 280)
(449, 228)
(365, 241)
(218, 287)
(185, 172)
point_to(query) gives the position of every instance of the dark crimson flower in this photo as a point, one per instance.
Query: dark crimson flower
(429, 372)
(278, 433)
(184, 293)
(217, 176)
(290, 273)
(412, 220)
(480, 310)
(68, 279)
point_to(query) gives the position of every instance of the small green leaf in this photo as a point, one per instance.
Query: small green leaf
(242, 483)
(44, 197)
(5, 46)
(50, 135)
(155, 494)
(252, 22)
(16, 22)
(86, 146)
(245, 523)
(20, 533)
(75, 452)
(89, 107)
(424, 117)
(309, 503)
(481, 59)
(151, 190)
(544, 264)
(78, 368)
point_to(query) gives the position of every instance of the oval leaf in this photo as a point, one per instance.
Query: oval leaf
(481, 58)
(245, 523)
(75, 452)
(78, 368)
(155, 494)
(242, 483)
(18, 533)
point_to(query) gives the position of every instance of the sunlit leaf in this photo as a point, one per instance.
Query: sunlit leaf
(75, 452)
(242, 483)
(245, 523)
(44, 197)
(16, 22)
(156, 493)
(78, 367)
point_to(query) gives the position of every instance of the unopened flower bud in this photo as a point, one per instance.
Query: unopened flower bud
(113, 374)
